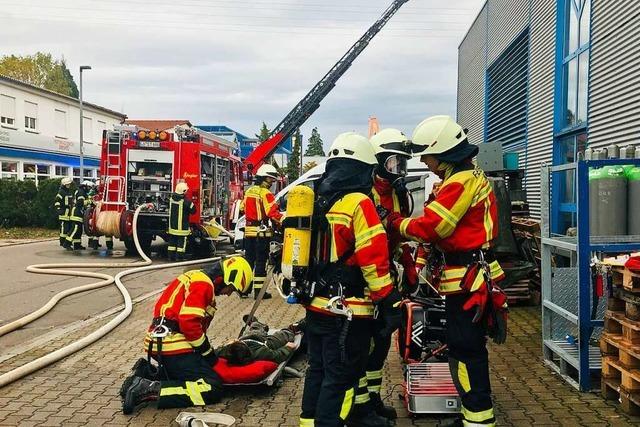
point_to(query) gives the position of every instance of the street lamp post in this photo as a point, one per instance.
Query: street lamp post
(82, 67)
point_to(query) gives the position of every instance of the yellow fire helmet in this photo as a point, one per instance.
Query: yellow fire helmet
(237, 273)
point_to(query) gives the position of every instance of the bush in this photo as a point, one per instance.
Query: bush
(23, 204)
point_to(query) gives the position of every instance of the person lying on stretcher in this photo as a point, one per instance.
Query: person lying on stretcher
(257, 344)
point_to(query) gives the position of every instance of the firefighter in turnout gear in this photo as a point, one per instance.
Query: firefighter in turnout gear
(177, 339)
(63, 206)
(180, 207)
(461, 223)
(259, 207)
(349, 277)
(74, 238)
(389, 193)
(94, 241)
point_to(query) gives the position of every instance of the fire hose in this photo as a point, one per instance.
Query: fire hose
(59, 269)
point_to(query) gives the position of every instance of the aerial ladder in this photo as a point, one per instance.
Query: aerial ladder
(310, 103)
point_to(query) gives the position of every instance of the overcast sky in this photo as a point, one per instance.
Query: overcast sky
(241, 62)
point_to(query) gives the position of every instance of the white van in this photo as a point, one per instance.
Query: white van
(419, 183)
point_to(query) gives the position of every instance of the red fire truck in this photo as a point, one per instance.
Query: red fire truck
(143, 167)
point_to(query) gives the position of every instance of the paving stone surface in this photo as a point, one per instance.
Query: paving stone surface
(82, 389)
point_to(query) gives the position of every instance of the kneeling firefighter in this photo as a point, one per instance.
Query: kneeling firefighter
(177, 339)
(180, 207)
(461, 222)
(348, 275)
(260, 207)
(389, 193)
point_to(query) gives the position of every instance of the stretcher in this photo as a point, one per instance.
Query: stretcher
(275, 377)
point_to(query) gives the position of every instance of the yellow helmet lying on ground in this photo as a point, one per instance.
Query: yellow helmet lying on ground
(237, 273)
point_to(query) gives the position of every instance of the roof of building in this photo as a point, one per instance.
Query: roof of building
(246, 144)
(59, 95)
(159, 124)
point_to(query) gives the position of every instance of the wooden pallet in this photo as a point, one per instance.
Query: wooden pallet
(626, 279)
(629, 377)
(612, 390)
(616, 323)
(518, 292)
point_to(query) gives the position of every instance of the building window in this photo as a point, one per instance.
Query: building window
(36, 172)
(89, 173)
(9, 170)
(76, 175)
(102, 126)
(62, 171)
(576, 62)
(30, 116)
(87, 129)
(7, 111)
(61, 123)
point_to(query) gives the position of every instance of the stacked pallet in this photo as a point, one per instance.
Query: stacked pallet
(527, 234)
(620, 342)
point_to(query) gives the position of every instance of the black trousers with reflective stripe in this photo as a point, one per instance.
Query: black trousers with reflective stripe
(329, 379)
(74, 235)
(64, 231)
(192, 382)
(468, 357)
(177, 245)
(375, 363)
(256, 252)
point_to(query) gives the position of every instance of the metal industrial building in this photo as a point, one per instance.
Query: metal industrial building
(548, 78)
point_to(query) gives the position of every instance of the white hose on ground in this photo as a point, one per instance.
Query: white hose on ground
(63, 352)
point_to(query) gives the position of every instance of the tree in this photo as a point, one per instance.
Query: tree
(308, 166)
(315, 147)
(264, 133)
(293, 165)
(40, 70)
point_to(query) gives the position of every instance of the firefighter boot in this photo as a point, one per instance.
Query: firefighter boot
(109, 245)
(93, 244)
(141, 390)
(381, 409)
(143, 369)
(363, 415)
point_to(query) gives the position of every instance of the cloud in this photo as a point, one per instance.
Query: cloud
(243, 62)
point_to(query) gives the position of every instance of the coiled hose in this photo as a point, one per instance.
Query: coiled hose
(58, 269)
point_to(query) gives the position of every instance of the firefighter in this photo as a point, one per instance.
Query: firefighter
(74, 238)
(94, 241)
(389, 192)
(63, 206)
(348, 278)
(177, 339)
(180, 207)
(259, 207)
(460, 223)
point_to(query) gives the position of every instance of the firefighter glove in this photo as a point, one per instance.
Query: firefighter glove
(392, 221)
(477, 301)
(389, 310)
(409, 267)
(497, 322)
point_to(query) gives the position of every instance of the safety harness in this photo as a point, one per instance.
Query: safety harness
(161, 328)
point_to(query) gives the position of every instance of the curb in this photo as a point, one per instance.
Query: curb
(16, 242)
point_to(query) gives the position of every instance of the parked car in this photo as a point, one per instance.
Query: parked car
(419, 182)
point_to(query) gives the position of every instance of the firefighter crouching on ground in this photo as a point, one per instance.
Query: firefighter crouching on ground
(350, 273)
(259, 207)
(177, 339)
(392, 150)
(461, 223)
(63, 206)
(94, 241)
(77, 217)
(180, 207)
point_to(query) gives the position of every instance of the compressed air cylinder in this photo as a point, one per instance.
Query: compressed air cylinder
(296, 248)
(613, 151)
(588, 154)
(595, 175)
(627, 152)
(633, 200)
(612, 199)
(637, 152)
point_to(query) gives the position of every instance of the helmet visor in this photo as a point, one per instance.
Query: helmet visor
(396, 164)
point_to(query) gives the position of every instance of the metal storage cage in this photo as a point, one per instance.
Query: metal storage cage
(569, 333)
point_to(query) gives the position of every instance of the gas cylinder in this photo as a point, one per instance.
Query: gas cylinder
(296, 247)
(637, 152)
(588, 154)
(612, 200)
(613, 151)
(595, 175)
(633, 208)
(627, 152)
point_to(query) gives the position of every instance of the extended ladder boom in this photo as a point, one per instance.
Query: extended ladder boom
(310, 103)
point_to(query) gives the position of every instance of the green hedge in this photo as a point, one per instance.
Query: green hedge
(22, 204)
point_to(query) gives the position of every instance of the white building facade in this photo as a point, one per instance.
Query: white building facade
(40, 133)
(549, 78)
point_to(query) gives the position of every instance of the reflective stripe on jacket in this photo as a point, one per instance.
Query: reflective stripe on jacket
(258, 205)
(463, 217)
(63, 203)
(190, 301)
(353, 221)
(77, 213)
(179, 210)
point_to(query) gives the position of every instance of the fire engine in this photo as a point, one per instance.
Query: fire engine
(143, 167)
